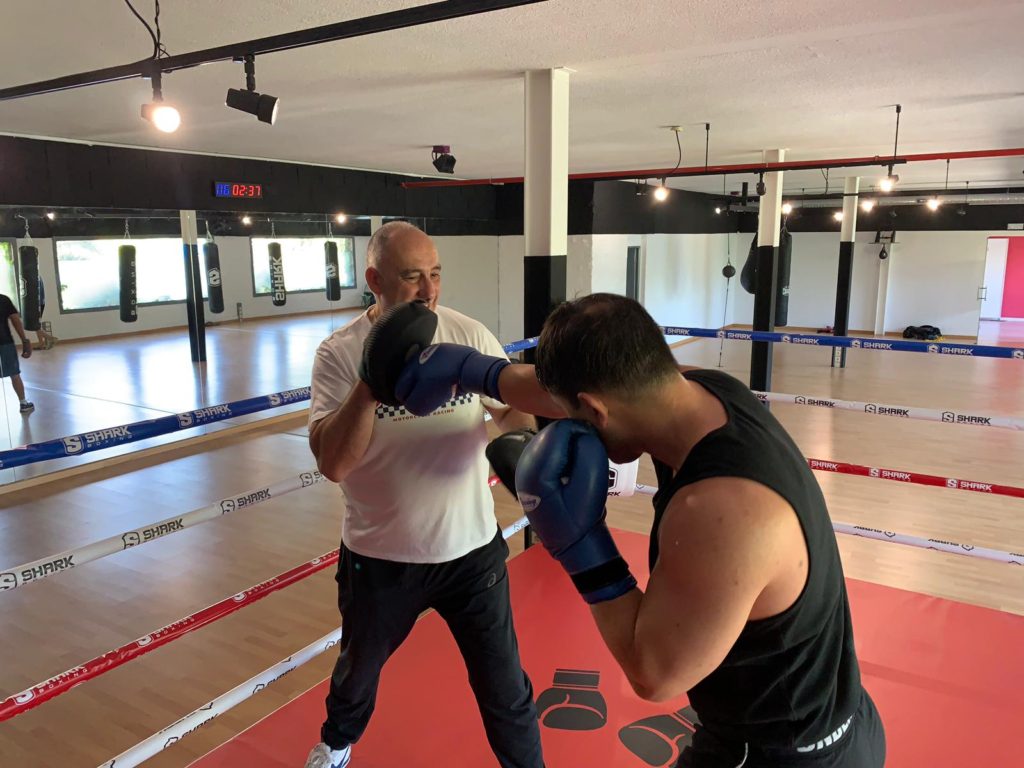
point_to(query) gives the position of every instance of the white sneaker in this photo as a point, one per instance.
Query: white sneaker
(323, 756)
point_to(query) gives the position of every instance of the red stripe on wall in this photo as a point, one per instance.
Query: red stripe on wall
(1013, 288)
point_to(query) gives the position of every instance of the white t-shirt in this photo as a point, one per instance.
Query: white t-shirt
(420, 494)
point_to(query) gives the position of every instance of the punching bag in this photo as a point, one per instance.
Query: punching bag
(331, 270)
(126, 274)
(279, 294)
(748, 277)
(782, 287)
(29, 257)
(214, 286)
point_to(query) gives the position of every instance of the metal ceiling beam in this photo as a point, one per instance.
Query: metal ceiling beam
(328, 33)
(740, 168)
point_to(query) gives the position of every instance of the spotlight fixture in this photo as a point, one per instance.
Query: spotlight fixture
(259, 104)
(51, 215)
(247, 220)
(760, 188)
(443, 159)
(718, 209)
(889, 181)
(341, 218)
(892, 179)
(867, 205)
(163, 116)
(838, 215)
(661, 192)
(933, 203)
(883, 254)
(787, 208)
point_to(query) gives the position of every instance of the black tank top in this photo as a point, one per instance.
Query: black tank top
(793, 678)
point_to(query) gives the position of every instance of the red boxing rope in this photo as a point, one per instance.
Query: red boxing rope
(55, 686)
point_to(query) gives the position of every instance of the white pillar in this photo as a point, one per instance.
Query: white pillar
(546, 195)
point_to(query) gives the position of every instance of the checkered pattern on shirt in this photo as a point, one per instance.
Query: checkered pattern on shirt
(391, 411)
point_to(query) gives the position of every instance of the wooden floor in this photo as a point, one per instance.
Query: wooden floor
(1005, 333)
(53, 625)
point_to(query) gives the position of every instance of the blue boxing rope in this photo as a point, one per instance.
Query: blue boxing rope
(86, 442)
(851, 342)
(97, 440)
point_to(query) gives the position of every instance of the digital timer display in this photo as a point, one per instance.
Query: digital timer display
(236, 189)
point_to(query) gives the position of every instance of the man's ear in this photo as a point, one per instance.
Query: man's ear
(595, 407)
(372, 280)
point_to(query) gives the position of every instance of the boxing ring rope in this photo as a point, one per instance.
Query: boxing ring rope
(71, 558)
(940, 545)
(945, 416)
(204, 714)
(99, 439)
(96, 440)
(65, 681)
(851, 342)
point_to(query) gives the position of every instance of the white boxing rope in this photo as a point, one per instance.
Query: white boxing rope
(200, 717)
(48, 566)
(173, 733)
(899, 411)
(952, 547)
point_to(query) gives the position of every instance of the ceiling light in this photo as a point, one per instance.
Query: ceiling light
(718, 209)
(163, 116)
(867, 205)
(341, 218)
(443, 159)
(787, 208)
(838, 215)
(889, 181)
(247, 220)
(263, 106)
(933, 203)
(51, 215)
(661, 192)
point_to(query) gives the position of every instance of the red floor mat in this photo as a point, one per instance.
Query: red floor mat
(948, 679)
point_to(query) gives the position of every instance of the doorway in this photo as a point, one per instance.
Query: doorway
(1002, 293)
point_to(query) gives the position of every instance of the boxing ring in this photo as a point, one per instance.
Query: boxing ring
(943, 702)
(947, 677)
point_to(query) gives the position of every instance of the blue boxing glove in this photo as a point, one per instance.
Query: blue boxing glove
(562, 482)
(442, 371)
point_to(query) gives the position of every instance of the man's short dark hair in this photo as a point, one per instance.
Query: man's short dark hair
(602, 343)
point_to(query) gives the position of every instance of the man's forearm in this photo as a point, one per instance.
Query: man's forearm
(520, 389)
(19, 328)
(510, 419)
(617, 622)
(339, 440)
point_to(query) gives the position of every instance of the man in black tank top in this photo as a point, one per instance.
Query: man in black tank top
(746, 608)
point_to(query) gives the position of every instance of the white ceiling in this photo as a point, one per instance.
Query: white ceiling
(816, 78)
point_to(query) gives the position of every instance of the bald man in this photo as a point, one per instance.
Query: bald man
(419, 529)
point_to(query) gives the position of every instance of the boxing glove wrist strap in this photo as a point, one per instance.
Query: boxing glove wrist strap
(480, 374)
(604, 582)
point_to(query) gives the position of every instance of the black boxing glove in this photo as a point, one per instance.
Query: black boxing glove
(573, 703)
(661, 739)
(399, 334)
(503, 453)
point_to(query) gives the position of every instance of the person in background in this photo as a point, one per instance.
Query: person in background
(9, 366)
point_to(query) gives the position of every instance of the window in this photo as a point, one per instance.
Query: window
(8, 272)
(303, 262)
(87, 272)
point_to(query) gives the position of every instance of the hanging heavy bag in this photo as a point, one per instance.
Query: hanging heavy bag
(214, 280)
(278, 292)
(331, 282)
(29, 258)
(127, 301)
